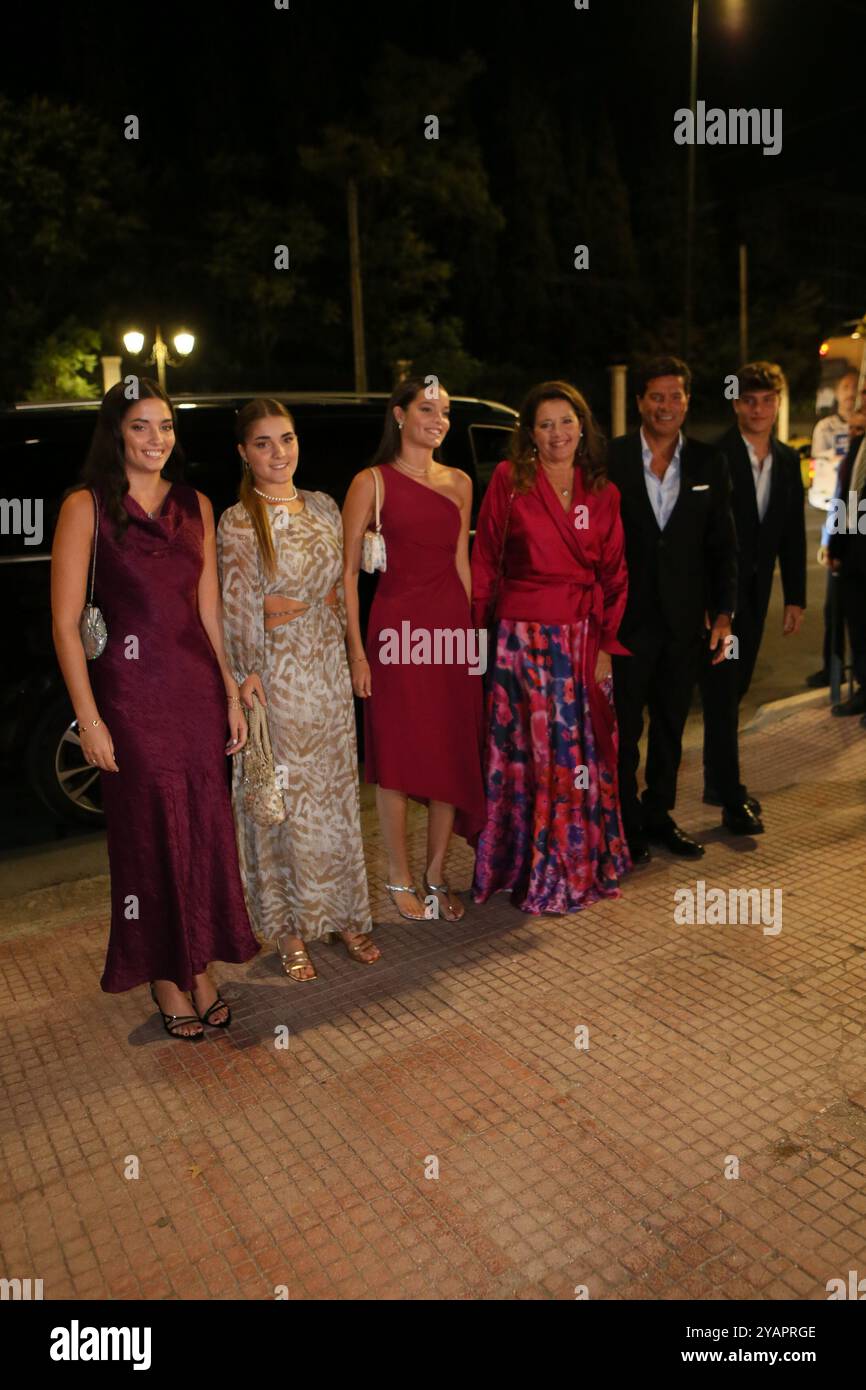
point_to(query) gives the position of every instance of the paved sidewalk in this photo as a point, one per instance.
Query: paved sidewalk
(710, 1048)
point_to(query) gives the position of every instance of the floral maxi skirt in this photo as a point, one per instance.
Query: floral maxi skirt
(554, 836)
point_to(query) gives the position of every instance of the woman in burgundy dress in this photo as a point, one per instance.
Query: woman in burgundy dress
(154, 709)
(421, 673)
(549, 561)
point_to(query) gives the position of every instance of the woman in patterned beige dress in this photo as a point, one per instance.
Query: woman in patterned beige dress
(280, 558)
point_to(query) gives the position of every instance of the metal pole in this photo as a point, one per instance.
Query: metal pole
(617, 400)
(110, 372)
(837, 662)
(357, 296)
(744, 304)
(690, 191)
(160, 352)
(783, 426)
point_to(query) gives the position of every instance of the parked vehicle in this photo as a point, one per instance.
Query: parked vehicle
(803, 447)
(42, 448)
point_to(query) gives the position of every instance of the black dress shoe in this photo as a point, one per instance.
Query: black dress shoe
(638, 849)
(818, 680)
(856, 705)
(675, 840)
(740, 819)
(712, 798)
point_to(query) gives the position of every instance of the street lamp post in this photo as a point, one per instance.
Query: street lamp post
(183, 342)
(357, 291)
(690, 191)
(735, 12)
(160, 356)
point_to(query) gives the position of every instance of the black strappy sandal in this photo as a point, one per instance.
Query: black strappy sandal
(171, 1022)
(218, 1003)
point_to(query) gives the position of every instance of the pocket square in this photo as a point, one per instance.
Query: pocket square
(700, 487)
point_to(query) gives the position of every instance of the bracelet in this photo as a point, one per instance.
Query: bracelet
(94, 723)
(354, 659)
(234, 699)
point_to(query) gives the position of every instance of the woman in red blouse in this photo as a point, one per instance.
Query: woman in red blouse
(549, 575)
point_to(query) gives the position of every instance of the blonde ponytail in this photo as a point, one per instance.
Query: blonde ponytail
(261, 408)
(256, 510)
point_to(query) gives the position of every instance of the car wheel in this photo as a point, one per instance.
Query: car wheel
(59, 773)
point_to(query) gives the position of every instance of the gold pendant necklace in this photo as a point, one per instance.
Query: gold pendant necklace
(415, 472)
(563, 491)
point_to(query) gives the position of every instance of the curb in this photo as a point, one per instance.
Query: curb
(777, 710)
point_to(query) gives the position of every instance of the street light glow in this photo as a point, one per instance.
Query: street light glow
(133, 341)
(184, 343)
(735, 14)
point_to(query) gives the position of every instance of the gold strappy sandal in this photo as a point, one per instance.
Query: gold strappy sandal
(296, 960)
(450, 914)
(355, 948)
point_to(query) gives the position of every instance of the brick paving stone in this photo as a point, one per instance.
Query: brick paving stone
(432, 1131)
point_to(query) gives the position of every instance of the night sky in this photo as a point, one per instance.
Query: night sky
(561, 128)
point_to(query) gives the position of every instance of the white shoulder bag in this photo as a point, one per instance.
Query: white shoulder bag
(373, 556)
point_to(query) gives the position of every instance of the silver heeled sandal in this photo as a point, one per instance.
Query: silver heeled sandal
(450, 914)
(405, 888)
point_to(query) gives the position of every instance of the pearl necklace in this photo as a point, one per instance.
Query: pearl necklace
(415, 472)
(268, 498)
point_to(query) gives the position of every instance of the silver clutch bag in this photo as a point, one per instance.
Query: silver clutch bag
(94, 633)
(263, 799)
(373, 556)
(92, 625)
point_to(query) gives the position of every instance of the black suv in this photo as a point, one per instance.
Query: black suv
(42, 448)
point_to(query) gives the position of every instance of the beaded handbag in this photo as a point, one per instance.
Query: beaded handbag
(263, 799)
(92, 625)
(373, 556)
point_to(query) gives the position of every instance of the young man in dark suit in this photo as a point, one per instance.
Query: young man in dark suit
(682, 579)
(769, 515)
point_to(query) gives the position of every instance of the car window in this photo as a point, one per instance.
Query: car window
(36, 473)
(212, 463)
(333, 450)
(489, 447)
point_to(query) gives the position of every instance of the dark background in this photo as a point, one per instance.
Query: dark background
(556, 129)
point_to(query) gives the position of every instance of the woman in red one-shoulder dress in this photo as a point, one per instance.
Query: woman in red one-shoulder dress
(421, 674)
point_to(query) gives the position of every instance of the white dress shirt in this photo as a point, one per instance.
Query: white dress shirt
(662, 492)
(761, 470)
(830, 441)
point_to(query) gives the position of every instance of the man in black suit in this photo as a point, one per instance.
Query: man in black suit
(769, 515)
(682, 579)
(846, 556)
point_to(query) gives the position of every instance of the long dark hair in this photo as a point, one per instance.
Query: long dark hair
(262, 408)
(404, 393)
(104, 466)
(591, 450)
